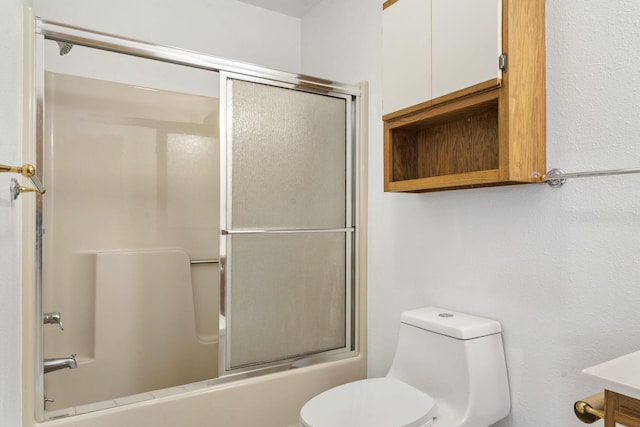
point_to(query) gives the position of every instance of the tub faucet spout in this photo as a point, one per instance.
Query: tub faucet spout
(55, 364)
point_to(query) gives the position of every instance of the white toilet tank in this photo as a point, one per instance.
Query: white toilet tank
(458, 360)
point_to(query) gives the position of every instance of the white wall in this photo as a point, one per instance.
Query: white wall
(10, 148)
(560, 268)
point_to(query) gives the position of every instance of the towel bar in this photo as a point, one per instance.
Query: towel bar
(557, 177)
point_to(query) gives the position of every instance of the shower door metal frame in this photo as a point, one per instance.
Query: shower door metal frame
(47, 30)
(349, 229)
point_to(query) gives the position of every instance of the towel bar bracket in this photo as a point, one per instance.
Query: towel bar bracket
(590, 409)
(553, 178)
(28, 171)
(16, 189)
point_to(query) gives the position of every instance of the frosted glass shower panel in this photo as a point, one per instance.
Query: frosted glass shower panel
(288, 228)
(288, 297)
(288, 158)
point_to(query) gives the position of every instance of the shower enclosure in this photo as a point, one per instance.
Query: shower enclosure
(187, 239)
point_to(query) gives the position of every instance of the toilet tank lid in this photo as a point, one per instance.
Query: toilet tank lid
(453, 324)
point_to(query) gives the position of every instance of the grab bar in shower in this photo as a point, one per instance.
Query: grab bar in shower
(205, 261)
(28, 171)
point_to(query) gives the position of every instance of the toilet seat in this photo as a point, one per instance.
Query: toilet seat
(376, 402)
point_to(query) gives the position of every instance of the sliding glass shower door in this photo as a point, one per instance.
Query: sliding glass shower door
(287, 245)
(130, 164)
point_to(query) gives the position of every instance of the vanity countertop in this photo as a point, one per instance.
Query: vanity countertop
(621, 375)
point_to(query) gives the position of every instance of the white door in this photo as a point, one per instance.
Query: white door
(466, 43)
(406, 50)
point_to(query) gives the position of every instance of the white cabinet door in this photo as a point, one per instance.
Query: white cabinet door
(406, 50)
(466, 43)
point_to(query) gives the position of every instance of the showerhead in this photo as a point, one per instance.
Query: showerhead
(64, 47)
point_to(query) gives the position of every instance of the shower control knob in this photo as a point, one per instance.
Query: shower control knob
(54, 317)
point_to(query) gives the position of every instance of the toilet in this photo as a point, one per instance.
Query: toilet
(449, 370)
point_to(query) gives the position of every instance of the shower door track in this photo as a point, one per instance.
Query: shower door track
(81, 37)
(48, 30)
(304, 230)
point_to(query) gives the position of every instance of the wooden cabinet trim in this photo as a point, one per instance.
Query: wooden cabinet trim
(526, 88)
(432, 112)
(621, 409)
(388, 3)
(463, 180)
(626, 420)
(486, 86)
(469, 91)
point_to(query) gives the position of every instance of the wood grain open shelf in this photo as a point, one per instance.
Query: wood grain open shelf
(439, 143)
(454, 144)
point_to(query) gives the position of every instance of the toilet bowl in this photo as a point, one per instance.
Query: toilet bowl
(376, 402)
(448, 371)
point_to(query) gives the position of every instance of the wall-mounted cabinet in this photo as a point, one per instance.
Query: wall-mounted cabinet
(456, 114)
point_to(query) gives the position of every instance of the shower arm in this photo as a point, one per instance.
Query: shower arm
(28, 171)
